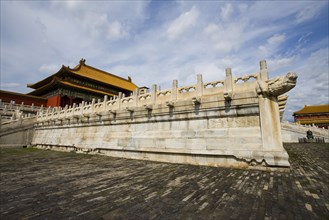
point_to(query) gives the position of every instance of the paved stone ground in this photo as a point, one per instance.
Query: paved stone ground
(40, 184)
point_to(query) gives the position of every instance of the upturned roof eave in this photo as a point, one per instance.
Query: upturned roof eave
(57, 81)
(44, 86)
(126, 85)
(48, 79)
(76, 70)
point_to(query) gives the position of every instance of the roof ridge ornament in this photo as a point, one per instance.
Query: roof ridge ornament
(82, 61)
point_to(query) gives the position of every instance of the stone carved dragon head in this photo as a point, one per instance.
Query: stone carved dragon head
(277, 86)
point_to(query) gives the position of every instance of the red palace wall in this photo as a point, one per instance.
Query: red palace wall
(54, 101)
(7, 97)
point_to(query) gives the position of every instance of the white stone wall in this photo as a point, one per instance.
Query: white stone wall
(201, 136)
(291, 132)
(221, 123)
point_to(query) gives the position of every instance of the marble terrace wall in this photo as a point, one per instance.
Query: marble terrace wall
(230, 122)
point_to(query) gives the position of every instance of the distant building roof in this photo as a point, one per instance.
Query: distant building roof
(315, 109)
(18, 98)
(4, 92)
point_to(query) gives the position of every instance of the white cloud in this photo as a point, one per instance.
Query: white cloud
(49, 68)
(68, 4)
(183, 23)
(243, 8)
(116, 31)
(225, 38)
(11, 85)
(100, 26)
(309, 12)
(312, 83)
(276, 39)
(157, 43)
(273, 44)
(226, 11)
(281, 62)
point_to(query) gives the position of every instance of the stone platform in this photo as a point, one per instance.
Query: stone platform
(230, 122)
(41, 184)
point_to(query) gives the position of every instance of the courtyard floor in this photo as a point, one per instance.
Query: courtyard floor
(42, 184)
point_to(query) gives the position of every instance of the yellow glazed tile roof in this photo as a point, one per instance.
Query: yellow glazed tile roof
(101, 76)
(91, 73)
(315, 109)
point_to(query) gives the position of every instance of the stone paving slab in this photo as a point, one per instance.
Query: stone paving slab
(41, 184)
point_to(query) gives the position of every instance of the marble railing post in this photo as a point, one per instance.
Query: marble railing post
(119, 100)
(199, 85)
(51, 113)
(47, 113)
(135, 97)
(154, 93)
(269, 118)
(65, 110)
(228, 84)
(104, 102)
(82, 105)
(174, 90)
(73, 108)
(228, 79)
(263, 70)
(93, 105)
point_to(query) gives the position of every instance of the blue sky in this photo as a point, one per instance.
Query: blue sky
(156, 42)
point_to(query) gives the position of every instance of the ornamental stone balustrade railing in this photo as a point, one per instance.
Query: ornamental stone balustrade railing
(11, 111)
(230, 122)
(153, 98)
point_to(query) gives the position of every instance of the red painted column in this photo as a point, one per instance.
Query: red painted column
(54, 101)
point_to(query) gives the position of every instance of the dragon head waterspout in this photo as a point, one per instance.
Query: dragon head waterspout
(278, 85)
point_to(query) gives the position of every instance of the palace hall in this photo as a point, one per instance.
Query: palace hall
(317, 115)
(73, 85)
